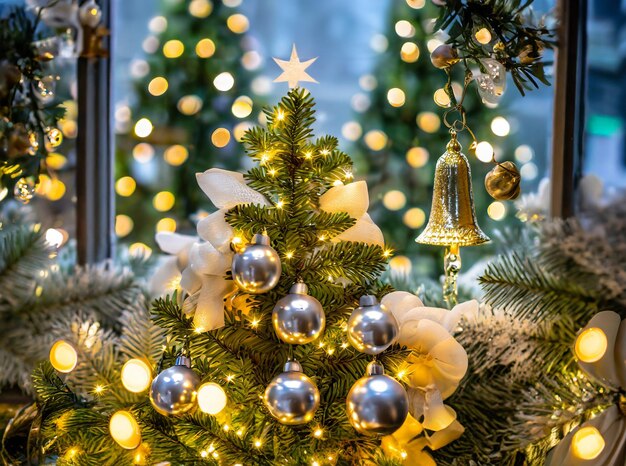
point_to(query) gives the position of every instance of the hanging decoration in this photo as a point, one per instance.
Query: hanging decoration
(371, 327)
(601, 352)
(291, 397)
(257, 269)
(298, 318)
(452, 221)
(377, 404)
(174, 390)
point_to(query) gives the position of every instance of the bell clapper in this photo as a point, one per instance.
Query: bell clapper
(452, 267)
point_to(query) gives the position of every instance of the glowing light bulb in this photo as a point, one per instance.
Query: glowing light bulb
(587, 443)
(483, 36)
(175, 155)
(136, 375)
(158, 86)
(124, 429)
(396, 97)
(211, 398)
(496, 210)
(163, 201)
(414, 217)
(173, 48)
(224, 81)
(242, 106)
(125, 186)
(417, 157)
(123, 225)
(63, 356)
(500, 126)
(376, 139)
(394, 200)
(189, 104)
(205, 48)
(428, 122)
(409, 52)
(484, 151)
(143, 128)
(591, 345)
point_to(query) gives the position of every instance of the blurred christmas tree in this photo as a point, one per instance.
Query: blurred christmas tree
(190, 97)
(404, 134)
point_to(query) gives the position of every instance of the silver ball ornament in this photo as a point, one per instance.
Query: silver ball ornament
(257, 268)
(371, 328)
(174, 390)
(298, 318)
(377, 404)
(291, 397)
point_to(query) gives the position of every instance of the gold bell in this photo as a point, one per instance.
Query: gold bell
(452, 220)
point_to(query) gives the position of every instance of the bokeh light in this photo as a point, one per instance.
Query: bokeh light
(143, 152)
(428, 122)
(189, 105)
(242, 106)
(484, 151)
(205, 48)
(496, 210)
(200, 8)
(500, 126)
(158, 86)
(351, 130)
(166, 224)
(238, 23)
(143, 128)
(394, 200)
(175, 155)
(125, 186)
(409, 52)
(414, 217)
(123, 225)
(396, 97)
(224, 81)
(163, 201)
(220, 137)
(404, 28)
(376, 139)
(173, 48)
(591, 345)
(417, 157)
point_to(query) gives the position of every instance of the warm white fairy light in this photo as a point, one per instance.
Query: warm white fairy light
(484, 151)
(591, 345)
(224, 81)
(396, 97)
(500, 126)
(143, 128)
(124, 430)
(136, 375)
(63, 356)
(587, 443)
(212, 398)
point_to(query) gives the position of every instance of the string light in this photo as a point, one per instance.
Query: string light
(417, 157)
(205, 48)
(496, 210)
(200, 8)
(591, 345)
(394, 200)
(587, 443)
(63, 356)
(211, 398)
(224, 81)
(175, 155)
(376, 140)
(143, 128)
(123, 225)
(280, 115)
(500, 126)
(158, 86)
(163, 201)
(387, 252)
(173, 48)
(289, 255)
(136, 375)
(124, 430)
(189, 104)
(414, 217)
(220, 137)
(98, 389)
(409, 52)
(484, 151)
(396, 97)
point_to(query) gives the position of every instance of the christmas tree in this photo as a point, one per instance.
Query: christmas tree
(227, 335)
(404, 132)
(191, 98)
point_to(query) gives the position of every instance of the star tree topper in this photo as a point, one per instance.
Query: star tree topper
(293, 70)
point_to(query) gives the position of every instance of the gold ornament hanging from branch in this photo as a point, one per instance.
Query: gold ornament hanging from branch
(452, 222)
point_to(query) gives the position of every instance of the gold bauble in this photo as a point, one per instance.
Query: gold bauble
(503, 182)
(444, 56)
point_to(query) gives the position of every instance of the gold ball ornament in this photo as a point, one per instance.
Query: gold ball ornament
(444, 56)
(503, 182)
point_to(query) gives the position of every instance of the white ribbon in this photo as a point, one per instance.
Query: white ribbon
(353, 198)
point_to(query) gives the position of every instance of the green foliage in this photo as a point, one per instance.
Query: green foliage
(245, 354)
(22, 112)
(524, 390)
(517, 40)
(188, 76)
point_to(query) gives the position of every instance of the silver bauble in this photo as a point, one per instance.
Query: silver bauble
(298, 318)
(291, 397)
(257, 268)
(371, 328)
(377, 404)
(174, 390)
